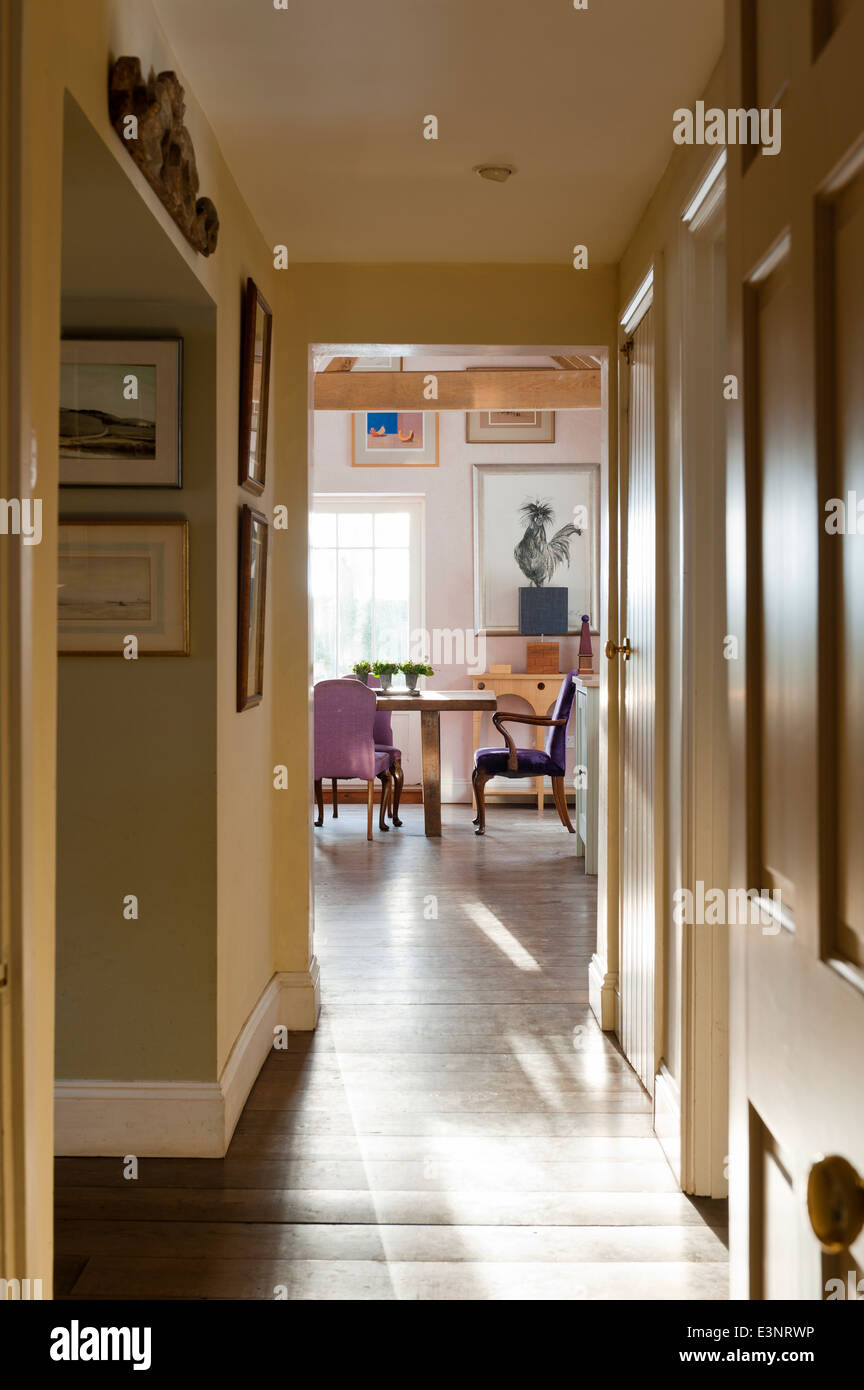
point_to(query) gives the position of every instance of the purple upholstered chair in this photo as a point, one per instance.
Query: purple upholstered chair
(345, 744)
(528, 762)
(383, 734)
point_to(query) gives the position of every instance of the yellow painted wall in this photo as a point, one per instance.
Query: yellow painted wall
(70, 46)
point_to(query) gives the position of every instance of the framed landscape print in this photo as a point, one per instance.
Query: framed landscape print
(117, 579)
(510, 427)
(394, 439)
(254, 388)
(251, 607)
(120, 412)
(535, 526)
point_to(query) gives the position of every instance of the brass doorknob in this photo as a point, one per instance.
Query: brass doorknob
(612, 650)
(835, 1203)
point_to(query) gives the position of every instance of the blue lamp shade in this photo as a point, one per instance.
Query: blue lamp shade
(542, 611)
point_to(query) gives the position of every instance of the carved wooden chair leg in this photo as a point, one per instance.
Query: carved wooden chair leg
(319, 801)
(398, 780)
(384, 778)
(333, 787)
(479, 779)
(370, 801)
(560, 793)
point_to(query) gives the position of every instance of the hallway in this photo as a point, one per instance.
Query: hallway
(457, 1128)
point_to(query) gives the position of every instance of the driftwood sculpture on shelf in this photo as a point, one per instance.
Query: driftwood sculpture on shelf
(148, 117)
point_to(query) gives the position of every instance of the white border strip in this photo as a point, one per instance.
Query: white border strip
(183, 1119)
(639, 304)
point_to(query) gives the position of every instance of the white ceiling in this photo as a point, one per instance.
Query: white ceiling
(319, 111)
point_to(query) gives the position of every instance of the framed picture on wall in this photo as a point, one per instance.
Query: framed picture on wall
(377, 364)
(394, 439)
(254, 388)
(120, 412)
(535, 526)
(251, 607)
(510, 427)
(122, 579)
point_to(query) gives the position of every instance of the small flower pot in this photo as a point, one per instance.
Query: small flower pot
(411, 682)
(362, 676)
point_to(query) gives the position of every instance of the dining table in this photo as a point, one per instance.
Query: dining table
(430, 705)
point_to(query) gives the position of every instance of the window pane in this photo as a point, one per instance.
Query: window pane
(392, 528)
(355, 528)
(322, 577)
(355, 608)
(392, 590)
(322, 529)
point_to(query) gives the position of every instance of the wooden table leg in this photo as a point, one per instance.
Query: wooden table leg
(430, 737)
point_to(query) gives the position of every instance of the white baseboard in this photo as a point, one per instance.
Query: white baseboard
(603, 995)
(183, 1119)
(667, 1117)
(455, 791)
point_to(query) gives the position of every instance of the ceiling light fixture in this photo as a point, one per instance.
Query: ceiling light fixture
(498, 173)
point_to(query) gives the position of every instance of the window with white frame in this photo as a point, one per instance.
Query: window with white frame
(366, 568)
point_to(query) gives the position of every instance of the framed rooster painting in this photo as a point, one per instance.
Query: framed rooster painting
(536, 527)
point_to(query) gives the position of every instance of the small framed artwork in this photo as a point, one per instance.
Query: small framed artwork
(394, 439)
(120, 412)
(510, 427)
(254, 388)
(122, 579)
(377, 364)
(251, 607)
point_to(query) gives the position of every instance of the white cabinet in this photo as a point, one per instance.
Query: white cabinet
(586, 729)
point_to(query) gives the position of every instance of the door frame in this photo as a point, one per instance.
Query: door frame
(704, 734)
(28, 666)
(648, 295)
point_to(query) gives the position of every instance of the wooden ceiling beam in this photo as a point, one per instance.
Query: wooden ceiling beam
(544, 389)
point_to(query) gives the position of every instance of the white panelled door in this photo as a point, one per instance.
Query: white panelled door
(637, 606)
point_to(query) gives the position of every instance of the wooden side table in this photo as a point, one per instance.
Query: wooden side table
(540, 691)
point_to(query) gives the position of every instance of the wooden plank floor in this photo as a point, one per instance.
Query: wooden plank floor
(457, 1128)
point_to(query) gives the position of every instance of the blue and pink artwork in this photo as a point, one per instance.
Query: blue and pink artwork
(394, 439)
(394, 429)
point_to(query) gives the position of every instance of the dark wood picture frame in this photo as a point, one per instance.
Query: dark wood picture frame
(251, 608)
(254, 394)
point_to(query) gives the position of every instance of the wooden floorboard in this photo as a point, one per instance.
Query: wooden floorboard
(458, 1128)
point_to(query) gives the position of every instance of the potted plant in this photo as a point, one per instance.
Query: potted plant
(361, 670)
(412, 669)
(385, 671)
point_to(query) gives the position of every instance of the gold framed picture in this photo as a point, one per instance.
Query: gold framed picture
(254, 388)
(510, 427)
(118, 580)
(120, 412)
(251, 607)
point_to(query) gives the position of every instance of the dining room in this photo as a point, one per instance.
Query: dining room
(454, 570)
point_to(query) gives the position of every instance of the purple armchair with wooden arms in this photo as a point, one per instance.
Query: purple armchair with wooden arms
(510, 761)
